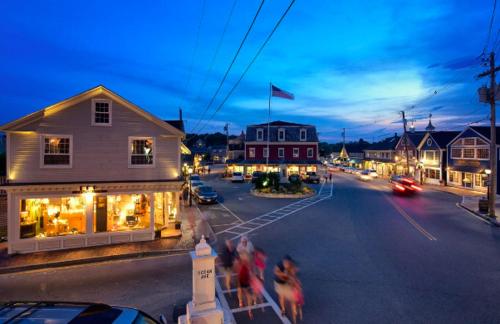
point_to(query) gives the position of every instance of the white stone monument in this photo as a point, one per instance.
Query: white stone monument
(205, 307)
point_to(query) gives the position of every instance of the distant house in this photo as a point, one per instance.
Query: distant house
(236, 147)
(469, 158)
(217, 153)
(381, 156)
(433, 156)
(291, 148)
(407, 146)
(94, 169)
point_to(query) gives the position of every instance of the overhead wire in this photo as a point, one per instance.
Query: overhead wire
(235, 56)
(250, 64)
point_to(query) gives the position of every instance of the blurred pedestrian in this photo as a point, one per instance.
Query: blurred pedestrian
(245, 247)
(282, 281)
(326, 178)
(208, 169)
(185, 195)
(297, 294)
(260, 258)
(330, 176)
(227, 256)
(257, 289)
(244, 275)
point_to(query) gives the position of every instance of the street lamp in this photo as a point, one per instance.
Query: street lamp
(488, 172)
(190, 171)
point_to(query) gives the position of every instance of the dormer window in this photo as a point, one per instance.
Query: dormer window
(281, 135)
(260, 134)
(101, 112)
(303, 135)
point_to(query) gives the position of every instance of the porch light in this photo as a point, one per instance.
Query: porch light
(487, 171)
(190, 170)
(88, 192)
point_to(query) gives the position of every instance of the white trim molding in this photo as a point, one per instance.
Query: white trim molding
(110, 112)
(42, 152)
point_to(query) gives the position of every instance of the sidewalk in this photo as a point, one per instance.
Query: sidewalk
(191, 223)
(472, 205)
(462, 192)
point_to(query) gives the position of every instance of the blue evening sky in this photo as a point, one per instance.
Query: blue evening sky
(352, 64)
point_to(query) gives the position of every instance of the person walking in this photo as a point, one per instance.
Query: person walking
(297, 301)
(185, 195)
(260, 257)
(227, 256)
(330, 176)
(245, 247)
(282, 281)
(244, 275)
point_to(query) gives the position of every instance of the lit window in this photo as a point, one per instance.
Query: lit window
(56, 151)
(468, 153)
(483, 153)
(43, 217)
(456, 153)
(295, 152)
(251, 152)
(480, 142)
(260, 134)
(310, 152)
(303, 134)
(123, 212)
(469, 141)
(281, 152)
(101, 112)
(281, 135)
(141, 151)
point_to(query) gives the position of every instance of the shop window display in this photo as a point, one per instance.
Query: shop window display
(165, 208)
(47, 217)
(123, 212)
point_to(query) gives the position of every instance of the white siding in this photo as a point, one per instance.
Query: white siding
(99, 153)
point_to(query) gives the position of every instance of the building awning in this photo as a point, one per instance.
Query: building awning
(275, 162)
(185, 150)
(467, 168)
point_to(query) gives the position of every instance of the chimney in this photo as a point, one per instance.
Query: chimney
(180, 113)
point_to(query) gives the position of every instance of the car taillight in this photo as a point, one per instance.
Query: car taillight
(416, 188)
(399, 187)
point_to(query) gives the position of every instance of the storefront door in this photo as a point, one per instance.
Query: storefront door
(467, 180)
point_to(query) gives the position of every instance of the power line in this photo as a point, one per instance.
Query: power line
(216, 53)
(492, 19)
(250, 64)
(230, 65)
(195, 50)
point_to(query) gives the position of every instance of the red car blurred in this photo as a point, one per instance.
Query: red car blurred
(404, 185)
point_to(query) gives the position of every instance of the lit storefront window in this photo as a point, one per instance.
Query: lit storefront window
(165, 208)
(45, 217)
(122, 212)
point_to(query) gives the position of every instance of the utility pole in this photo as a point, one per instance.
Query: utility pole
(226, 129)
(406, 143)
(493, 141)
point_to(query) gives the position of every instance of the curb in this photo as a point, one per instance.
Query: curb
(61, 264)
(486, 218)
(282, 196)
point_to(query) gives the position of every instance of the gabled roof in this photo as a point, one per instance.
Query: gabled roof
(387, 144)
(69, 102)
(442, 138)
(416, 137)
(280, 123)
(485, 131)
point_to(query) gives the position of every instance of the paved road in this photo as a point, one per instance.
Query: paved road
(361, 260)
(152, 284)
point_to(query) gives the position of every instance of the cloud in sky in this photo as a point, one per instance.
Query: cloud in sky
(352, 64)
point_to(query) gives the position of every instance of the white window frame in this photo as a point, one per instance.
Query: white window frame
(296, 152)
(310, 149)
(42, 152)
(303, 131)
(281, 131)
(129, 156)
(482, 148)
(281, 152)
(92, 116)
(251, 152)
(265, 152)
(261, 132)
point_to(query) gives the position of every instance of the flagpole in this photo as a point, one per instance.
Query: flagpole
(268, 124)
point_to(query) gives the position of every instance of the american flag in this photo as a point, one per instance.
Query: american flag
(277, 92)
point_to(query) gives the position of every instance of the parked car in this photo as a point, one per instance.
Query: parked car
(237, 177)
(404, 185)
(205, 195)
(373, 173)
(365, 175)
(312, 177)
(256, 175)
(69, 312)
(194, 184)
